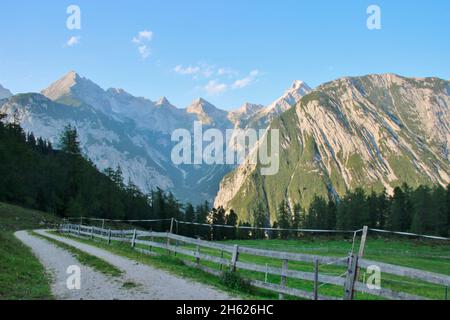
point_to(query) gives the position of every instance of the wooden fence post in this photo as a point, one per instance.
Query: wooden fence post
(221, 265)
(234, 258)
(133, 240)
(109, 236)
(171, 225)
(197, 254)
(151, 239)
(79, 229)
(362, 247)
(363, 242)
(284, 270)
(316, 279)
(168, 243)
(92, 233)
(351, 277)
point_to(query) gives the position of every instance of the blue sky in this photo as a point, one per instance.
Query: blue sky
(227, 51)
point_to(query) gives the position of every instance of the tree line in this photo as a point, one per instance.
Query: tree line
(422, 210)
(63, 181)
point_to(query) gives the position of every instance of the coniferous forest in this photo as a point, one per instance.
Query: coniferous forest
(62, 181)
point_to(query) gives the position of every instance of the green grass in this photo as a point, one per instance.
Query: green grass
(84, 258)
(130, 285)
(14, 218)
(22, 277)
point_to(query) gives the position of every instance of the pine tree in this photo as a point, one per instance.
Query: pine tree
(189, 214)
(439, 211)
(260, 220)
(400, 214)
(69, 140)
(284, 218)
(422, 205)
(218, 219)
(231, 221)
(317, 216)
(331, 215)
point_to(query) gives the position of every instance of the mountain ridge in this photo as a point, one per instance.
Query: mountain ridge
(375, 131)
(119, 129)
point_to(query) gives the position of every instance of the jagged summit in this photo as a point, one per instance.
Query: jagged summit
(249, 108)
(297, 84)
(207, 113)
(4, 93)
(71, 85)
(162, 102)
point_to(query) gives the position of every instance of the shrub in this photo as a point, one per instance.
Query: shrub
(235, 281)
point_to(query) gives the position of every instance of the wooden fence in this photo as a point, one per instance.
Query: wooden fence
(176, 244)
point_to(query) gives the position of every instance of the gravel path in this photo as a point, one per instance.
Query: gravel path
(153, 284)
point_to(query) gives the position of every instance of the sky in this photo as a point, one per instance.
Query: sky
(226, 51)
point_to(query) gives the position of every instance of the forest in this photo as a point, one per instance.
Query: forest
(65, 182)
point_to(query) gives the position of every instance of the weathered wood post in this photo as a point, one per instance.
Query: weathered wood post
(197, 253)
(362, 247)
(81, 220)
(363, 241)
(221, 265)
(151, 239)
(234, 258)
(133, 240)
(316, 279)
(168, 243)
(267, 273)
(351, 277)
(79, 229)
(109, 236)
(284, 269)
(92, 233)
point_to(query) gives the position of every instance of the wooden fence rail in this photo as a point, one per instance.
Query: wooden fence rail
(171, 243)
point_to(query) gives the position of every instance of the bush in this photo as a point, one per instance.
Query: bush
(234, 280)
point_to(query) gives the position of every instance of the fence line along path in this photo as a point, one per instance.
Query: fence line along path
(201, 250)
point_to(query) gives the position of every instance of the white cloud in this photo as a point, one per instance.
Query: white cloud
(144, 51)
(143, 36)
(214, 87)
(227, 72)
(188, 70)
(245, 82)
(73, 41)
(142, 40)
(201, 70)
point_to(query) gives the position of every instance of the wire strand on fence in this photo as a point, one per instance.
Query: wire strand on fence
(410, 234)
(354, 232)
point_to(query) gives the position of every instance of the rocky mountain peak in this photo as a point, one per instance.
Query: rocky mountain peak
(206, 112)
(72, 85)
(163, 102)
(4, 93)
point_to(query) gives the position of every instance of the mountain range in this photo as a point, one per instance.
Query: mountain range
(375, 132)
(118, 129)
